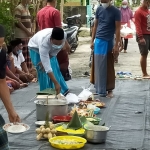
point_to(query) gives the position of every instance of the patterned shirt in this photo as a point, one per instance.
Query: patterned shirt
(22, 14)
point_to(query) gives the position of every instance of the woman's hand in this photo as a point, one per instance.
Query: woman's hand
(92, 45)
(57, 88)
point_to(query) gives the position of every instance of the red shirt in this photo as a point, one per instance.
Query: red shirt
(48, 17)
(142, 21)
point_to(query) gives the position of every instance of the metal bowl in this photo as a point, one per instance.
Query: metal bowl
(95, 136)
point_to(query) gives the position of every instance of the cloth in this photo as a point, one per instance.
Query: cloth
(22, 14)
(3, 64)
(40, 42)
(126, 14)
(145, 48)
(142, 21)
(106, 22)
(26, 53)
(102, 72)
(3, 136)
(43, 78)
(18, 60)
(48, 17)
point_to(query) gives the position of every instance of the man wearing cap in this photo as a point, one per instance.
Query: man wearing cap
(5, 95)
(44, 46)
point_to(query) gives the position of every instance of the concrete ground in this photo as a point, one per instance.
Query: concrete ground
(129, 61)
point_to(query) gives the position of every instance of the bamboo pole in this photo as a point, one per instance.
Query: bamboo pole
(62, 9)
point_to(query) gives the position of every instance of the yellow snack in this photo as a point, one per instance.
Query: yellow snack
(49, 135)
(47, 130)
(38, 130)
(71, 131)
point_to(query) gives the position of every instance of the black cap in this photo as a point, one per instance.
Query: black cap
(57, 33)
(2, 31)
(15, 42)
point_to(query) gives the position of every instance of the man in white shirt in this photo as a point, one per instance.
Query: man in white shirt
(44, 46)
(19, 61)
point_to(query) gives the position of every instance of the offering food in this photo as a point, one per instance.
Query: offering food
(57, 119)
(94, 120)
(67, 142)
(46, 132)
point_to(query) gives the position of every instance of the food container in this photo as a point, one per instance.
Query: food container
(94, 120)
(67, 142)
(96, 134)
(58, 119)
(55, 107)
(96, 110)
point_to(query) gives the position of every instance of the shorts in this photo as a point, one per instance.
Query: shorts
(145, 48)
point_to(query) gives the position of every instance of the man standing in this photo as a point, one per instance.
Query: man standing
(5, 96)
(142, 24)
(49, 17)
(107, 23)
(23, 28)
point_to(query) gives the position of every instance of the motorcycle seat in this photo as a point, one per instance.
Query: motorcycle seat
(70, 31)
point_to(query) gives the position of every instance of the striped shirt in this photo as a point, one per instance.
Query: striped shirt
(22, 14)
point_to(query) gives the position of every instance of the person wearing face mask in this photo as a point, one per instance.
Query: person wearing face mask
(126, 16)
(142, 24)
(107, 23)
(19, 61)
(44, 46)
(23, 29)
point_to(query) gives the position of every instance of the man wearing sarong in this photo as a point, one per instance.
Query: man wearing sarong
(44, 46)
(107, 23)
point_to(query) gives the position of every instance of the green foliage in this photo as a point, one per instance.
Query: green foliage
(7, 19)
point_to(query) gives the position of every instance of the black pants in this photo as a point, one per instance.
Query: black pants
(125, 43)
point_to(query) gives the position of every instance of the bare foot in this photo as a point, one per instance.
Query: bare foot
(34, 80)
(23, 85)
(110, 94)
(146, 76)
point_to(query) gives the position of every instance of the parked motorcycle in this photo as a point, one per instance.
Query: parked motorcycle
(72, 36)
(74, 21)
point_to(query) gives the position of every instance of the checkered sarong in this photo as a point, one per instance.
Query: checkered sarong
(3, 136)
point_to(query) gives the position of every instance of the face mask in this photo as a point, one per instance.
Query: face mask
(124, 6)
(105, 5)
(57, 47)
(18, 52)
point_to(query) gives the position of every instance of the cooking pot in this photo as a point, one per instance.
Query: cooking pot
(95, 136)
(55, 107)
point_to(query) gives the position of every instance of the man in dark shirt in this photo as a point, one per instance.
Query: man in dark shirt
(5, 95)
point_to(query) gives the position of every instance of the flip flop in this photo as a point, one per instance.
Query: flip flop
(147, 77)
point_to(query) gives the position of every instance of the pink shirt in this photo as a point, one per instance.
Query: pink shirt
(126, 14)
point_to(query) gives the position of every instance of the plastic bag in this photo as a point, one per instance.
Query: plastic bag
(126, 31)
(72, 98)
(85, 94)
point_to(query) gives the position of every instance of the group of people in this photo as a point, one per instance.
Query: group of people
(108, 23)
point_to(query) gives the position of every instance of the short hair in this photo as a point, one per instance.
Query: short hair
(15, 42)
(57, 33)
(2, 32)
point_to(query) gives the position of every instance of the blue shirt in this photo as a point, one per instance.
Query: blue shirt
(106, 22)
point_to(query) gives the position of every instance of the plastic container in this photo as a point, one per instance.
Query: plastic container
(58, 119)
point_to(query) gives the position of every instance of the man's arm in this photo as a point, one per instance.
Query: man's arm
(138, 17)
(118, 27)
(24, 67)
(19, 24)
(11, 75)
(94, 30)
(57, 19)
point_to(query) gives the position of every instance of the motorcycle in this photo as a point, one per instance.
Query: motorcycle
(74, 21)
(72, 36)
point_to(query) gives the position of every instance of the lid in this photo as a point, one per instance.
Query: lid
(51, 102)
